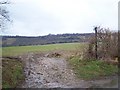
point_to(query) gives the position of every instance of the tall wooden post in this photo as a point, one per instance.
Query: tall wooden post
(96, 56)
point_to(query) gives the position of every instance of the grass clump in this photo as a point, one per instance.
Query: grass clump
(12, 73)
(92, 69)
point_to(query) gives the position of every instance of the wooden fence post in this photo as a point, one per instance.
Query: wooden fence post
(96, 56)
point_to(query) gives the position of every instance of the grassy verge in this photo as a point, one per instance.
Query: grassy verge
(91, 69)
(12, 73)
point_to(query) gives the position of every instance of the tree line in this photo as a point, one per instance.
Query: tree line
(47, 39)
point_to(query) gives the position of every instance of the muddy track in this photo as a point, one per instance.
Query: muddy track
(45, 72)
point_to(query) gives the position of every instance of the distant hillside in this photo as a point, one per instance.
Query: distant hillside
(41, 40)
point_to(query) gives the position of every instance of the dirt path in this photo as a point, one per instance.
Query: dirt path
(45, 72)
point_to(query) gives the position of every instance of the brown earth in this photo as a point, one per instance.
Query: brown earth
(51, 70)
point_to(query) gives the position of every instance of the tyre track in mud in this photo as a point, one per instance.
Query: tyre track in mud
(45, 72)
(48, 72)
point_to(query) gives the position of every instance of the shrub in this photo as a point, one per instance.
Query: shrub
(107, 45)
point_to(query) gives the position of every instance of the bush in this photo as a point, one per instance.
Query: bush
(107, 45)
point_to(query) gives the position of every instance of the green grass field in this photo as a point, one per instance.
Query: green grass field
(19, 50)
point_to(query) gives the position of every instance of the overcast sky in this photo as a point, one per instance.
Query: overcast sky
(42, 17)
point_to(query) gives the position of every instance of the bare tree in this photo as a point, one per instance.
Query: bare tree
(4, 15)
